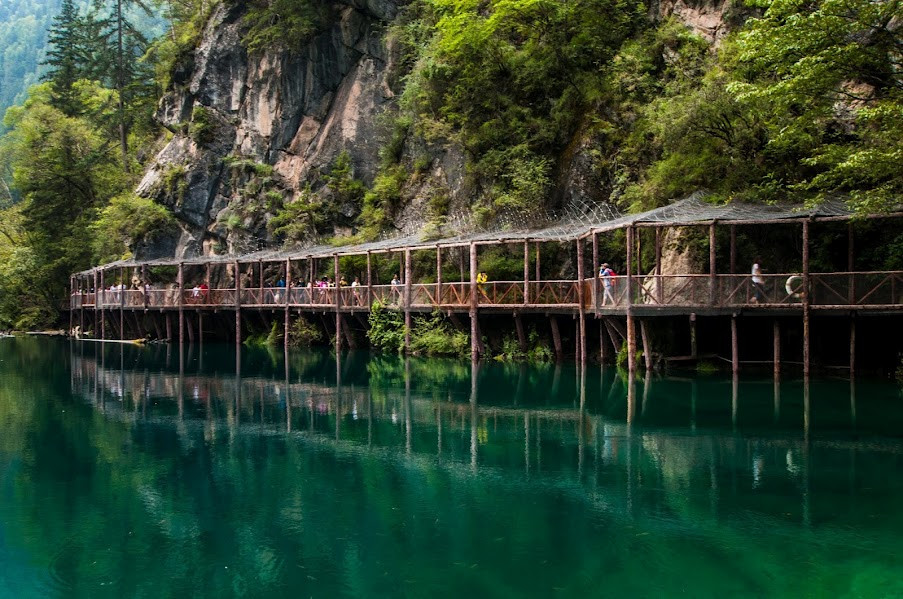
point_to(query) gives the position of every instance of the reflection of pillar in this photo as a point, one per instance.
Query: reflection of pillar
(181, 398)
(408, 417)
(735, 398)
(527, 442)
(438, 429)
(237, 384)
(474, 373)
(369, 417)
(853, 403)
(807, 520)
(694, 395)
(581, 424)
(852, 345)
(288, 396)
(631, 397)
(777, 398)
(338, 393)
(647, 388)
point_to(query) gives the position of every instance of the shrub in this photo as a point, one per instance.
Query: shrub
(303, 334)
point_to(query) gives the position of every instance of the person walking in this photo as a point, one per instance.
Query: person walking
(606, 274)
(758, 282)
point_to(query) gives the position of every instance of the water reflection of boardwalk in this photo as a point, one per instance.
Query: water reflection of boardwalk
(571, 440)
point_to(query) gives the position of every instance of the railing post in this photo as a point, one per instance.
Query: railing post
(659, 283)
(438, 276)
(288, 291)
(631, 325)
(181, 290)
(144, 284)
(712, 256)
(806, 300)
(851, 291)
(369, 279)
(474, 302)
(237, 269)
(526, 272)
(122, 292)
(102, 294)
(581, 310)
(594, 271)
(260, 299)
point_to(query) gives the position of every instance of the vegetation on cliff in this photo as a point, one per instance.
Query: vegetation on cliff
(798, 101)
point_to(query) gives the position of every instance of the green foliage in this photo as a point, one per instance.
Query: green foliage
(283, 24)
(202, 128)
(537, 350)
(382, 201)
(434, 335)
(304, 334)
(126, 222)
(173, 55)
(386, 332)
(305, 217)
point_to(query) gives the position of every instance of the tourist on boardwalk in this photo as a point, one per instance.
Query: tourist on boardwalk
(396, 289)
(482, 278)
(606, 274)
(758, 282)
(355, 284)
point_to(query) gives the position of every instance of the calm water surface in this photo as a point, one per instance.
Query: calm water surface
(128, 472)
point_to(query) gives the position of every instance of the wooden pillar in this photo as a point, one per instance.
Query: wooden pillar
(594, 271)
(735, 346)
(181, 292)
(96, 300)
(581, 308)
(144, 284)
(776, 351)
(438, 276)
(260, 275)
(201, 327)
(461, 263)
(287, 320)
(851, 284)
(733, 249)
(168, 322)
(369, 279)
(237, 268)
(694, 351)
(189, 329)
(122, 292)
(647, 346)
(806, 299)
(659, 284)
(100, 298)
(408, 276)
(526, 272)
(712, 255)
(631, 325)
(312, 262)
(474, 301)
(338, 303)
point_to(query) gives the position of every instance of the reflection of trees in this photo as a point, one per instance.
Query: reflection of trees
(178, 499)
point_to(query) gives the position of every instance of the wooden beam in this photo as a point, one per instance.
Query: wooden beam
(338, 303)
(369, 279)
(538, 269)
(287, 317)
(631, 325)
(556, 337)
(712, 255)
(581, 308)
(659, 287)
(806, 300)
(526, 272)
(237, 271)
(776, 350)
(408, 276)
(521, 334)
(438, 276)
(852, 345)
(647, 346)
(181, 291)
(594, 270)
(733, 249)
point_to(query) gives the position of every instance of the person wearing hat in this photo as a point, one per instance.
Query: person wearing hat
(606, 274)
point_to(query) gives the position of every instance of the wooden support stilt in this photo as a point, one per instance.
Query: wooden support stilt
(122, 292)
(526, 272)
(613, 336)
(474, 302)
(180, 289)
(581, 301)
(168, 321)
(602, 351)
(521, 334)
(338, 304)
(189, 328)
(201, 328)
(556, 337)
(157, 330)
(631, 325)
(408, 276)
(647, 346)
(807, 290)
(735, 346)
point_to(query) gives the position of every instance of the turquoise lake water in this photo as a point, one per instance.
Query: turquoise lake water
(150, 472)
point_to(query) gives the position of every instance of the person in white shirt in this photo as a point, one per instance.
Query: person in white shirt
(758, 282)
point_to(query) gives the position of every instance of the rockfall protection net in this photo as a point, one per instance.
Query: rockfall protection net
(577, 221)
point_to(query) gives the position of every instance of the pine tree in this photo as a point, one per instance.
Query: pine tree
(64, 41)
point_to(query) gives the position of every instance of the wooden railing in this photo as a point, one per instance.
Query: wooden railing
(853, 289)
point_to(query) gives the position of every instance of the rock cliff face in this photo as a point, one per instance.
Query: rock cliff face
(253, 131)
(251, 127)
